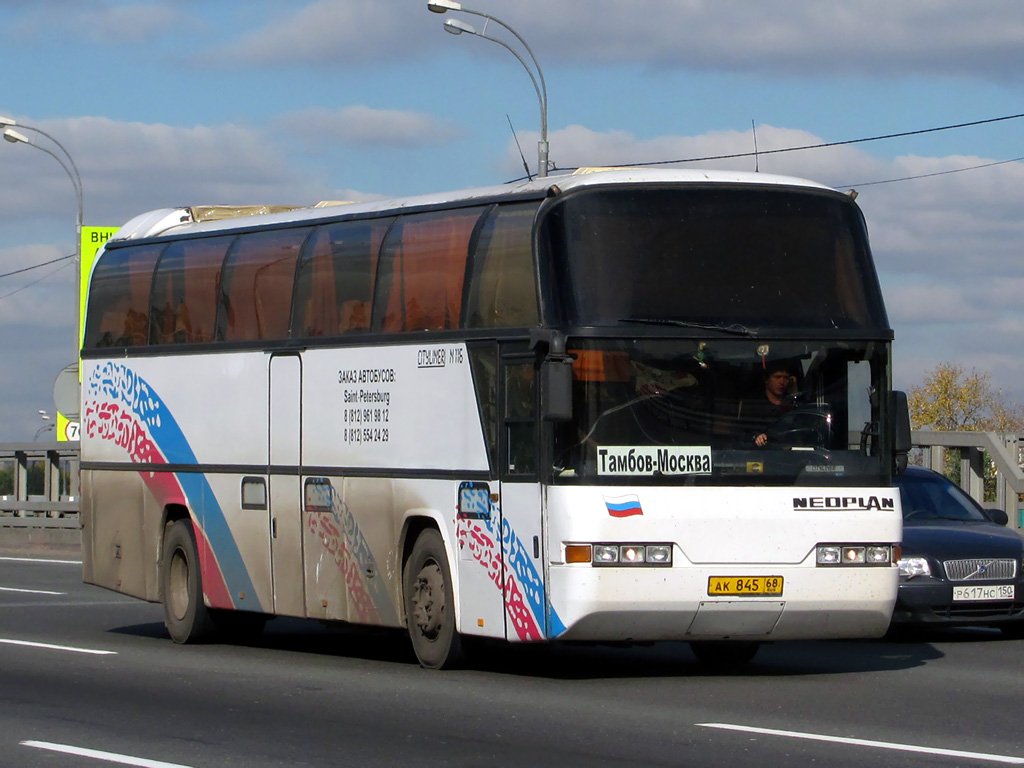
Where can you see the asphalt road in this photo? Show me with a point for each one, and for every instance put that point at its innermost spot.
(89, 678)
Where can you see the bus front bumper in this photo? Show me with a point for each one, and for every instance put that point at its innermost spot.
(632, 604)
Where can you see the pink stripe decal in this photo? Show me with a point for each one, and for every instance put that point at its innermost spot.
(108, 421)
(485, 552)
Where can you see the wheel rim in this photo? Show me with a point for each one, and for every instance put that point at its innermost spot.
(177, 586)
(428, 601)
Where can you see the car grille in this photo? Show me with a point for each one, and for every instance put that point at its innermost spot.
(980, 569)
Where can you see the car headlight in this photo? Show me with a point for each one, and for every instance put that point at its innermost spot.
(913, 566)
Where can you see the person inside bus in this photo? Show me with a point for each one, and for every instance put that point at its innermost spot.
(759, 413)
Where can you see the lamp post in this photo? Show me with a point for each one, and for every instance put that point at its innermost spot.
(46, 427)
(12, 135)
(456, 27)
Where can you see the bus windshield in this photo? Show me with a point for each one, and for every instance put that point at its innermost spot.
(725, 257)
(728, 412)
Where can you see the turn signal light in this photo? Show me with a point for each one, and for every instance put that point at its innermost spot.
(577, 553)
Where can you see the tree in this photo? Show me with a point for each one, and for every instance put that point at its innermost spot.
(952, 399)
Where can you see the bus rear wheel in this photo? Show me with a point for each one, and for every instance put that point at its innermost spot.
(185, 615)
(430, 604)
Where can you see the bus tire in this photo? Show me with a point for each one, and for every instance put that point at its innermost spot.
(185, 615)
(724, 653)
(430, 604)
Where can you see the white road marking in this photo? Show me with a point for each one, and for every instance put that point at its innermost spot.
(868, 743)
(31, 591)
(50, 647)
(110, 757)
(39, 560)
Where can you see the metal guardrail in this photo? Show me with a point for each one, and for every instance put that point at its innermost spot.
(57, 505)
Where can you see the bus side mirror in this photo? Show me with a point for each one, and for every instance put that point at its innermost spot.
(556, 389)
(902, 441)
(555, 374)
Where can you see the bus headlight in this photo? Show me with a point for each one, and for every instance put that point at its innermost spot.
(605, 554)
(854, 554)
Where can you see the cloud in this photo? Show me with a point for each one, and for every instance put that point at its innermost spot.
(103, 22)
(354, 32)
(362, 125)
(129, 167)
(791, 37)
(578, 146)
(37, 314)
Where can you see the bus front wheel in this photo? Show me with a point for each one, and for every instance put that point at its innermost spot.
(185, 615)
(430, 604)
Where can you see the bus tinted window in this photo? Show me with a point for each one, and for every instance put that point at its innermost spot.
(423, 266)
(334, 287)
(757, 257)
(185, 290)
(256, 289)
(118, 314)
(503, 285)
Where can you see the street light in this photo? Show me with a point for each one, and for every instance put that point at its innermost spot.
(46, 427)
(71, 169)
(457, 27)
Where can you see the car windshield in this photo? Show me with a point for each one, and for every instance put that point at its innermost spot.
(928, 496)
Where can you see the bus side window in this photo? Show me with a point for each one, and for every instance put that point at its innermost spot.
(118, 310)
(334, 286)
(256, 287)
(502, 283)
(183, 308)
(422, 270)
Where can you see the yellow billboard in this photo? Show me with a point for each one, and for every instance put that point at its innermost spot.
(92, 239)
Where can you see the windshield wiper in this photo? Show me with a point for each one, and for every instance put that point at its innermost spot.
(737, 329)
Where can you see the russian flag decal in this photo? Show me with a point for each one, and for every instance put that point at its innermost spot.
(623, 506)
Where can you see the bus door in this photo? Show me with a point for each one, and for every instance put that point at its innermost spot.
(284, 477)
(521, 498)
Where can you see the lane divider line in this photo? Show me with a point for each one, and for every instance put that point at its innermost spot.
(51, 647)
(868, 743)
(110, 757)
(31, 591)
(39, 560)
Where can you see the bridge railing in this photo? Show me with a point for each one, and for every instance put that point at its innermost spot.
(1004, 450)
(55, 505)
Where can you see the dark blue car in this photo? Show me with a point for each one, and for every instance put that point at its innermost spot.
(960, 566)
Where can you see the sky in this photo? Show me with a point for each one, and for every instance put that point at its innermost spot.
(183, 102)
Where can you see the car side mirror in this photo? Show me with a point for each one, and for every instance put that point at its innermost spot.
(997, 515)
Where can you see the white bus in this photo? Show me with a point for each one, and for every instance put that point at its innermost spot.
(534, 412)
